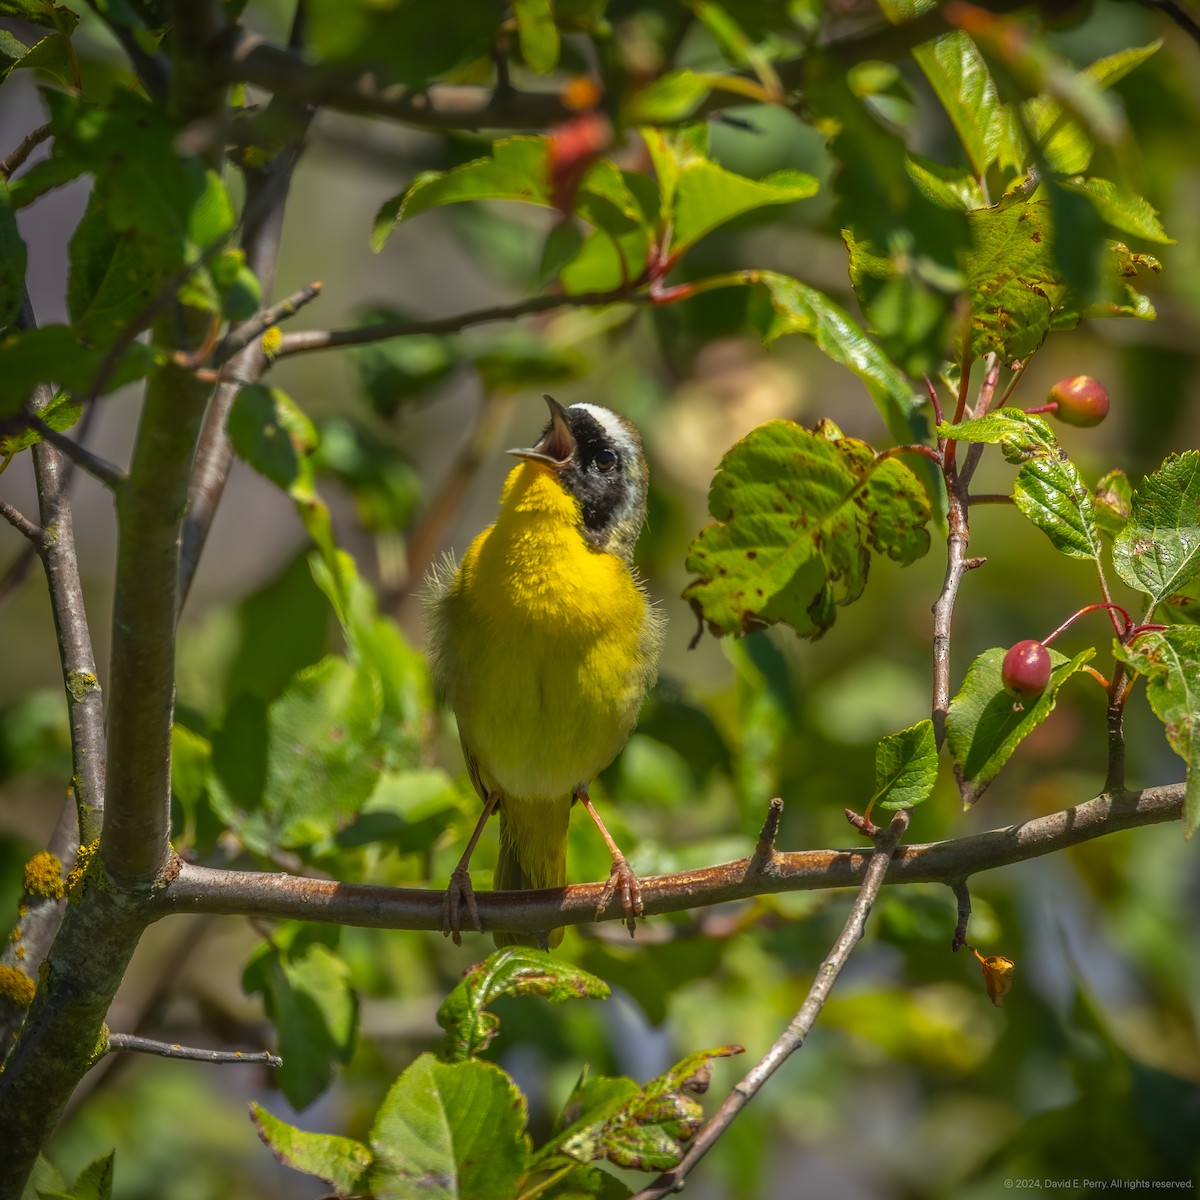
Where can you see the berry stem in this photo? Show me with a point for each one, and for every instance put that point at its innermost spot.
(1051, 407)
(1123, 631)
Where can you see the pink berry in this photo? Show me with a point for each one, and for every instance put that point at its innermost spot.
(1081, 401)
(1026, 669)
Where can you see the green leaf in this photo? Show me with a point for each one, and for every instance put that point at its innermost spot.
(797, 308)
(1121, 209)
(906, 766)
(307, 994)
(450, 1130)
(960, 78)
(669, 99)
(1020, 435)
(796, 514)
(706, 196)
(1112, 502)
(45, 1178)
(518, 361)
(1170, 660)
(985, 724)
(50, 354)
(339, 1161)
(515, 971)
(60, 414)
(109, 284)
(387, 490)
(537, 34)
(1158, 551)
(94, 1182)
(12, 262)
(41, 12)
(401, 369)
(951, 187)
(53, 54)
(1051, 493)
(643, 1129)
(271, 433)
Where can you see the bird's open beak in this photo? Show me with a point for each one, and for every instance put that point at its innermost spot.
(557, 447)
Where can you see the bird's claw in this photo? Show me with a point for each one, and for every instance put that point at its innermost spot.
(622, 876)
(458, 892)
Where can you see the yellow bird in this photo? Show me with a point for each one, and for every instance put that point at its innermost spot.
(544, 643)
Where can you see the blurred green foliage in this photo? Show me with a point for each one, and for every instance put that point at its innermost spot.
(308, 739)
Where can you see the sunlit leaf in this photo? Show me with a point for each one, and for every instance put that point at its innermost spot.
(515, 971)
(1112, 500)
(1158, 551)
(274, 436)
(961, 81)
(985, 724)
(1121, 209)
(796, 515)
(340, 1162)
(450, 1130)
(1170, 660)
(60, 414)
(537, 34)
(906, 766)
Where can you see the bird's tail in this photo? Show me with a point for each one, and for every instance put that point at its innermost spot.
(533, 854)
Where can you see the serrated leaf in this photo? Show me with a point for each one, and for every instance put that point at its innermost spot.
(797, 514)
(1121, 209)
(308, 997)
(514, 971)
(272, 434)
(1170, 660)
(960, 78)
(985, 724)
(1020, 435)
(906, 767)
(1112, 501)
(706, 196)
(1158, 551)
(797, 308)
(450, 1130)
(12, 262)
(1051, 493)
(537, 34)
(340, 1162)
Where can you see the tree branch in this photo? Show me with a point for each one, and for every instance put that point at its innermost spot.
(253, 893)
(794, 1035)
(145, 1045)
(236, 340)
(23, 149)
(305, 341)
(21, 523)
(99, 468)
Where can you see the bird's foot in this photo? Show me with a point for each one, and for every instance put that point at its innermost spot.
(458, 893)
(622, 880)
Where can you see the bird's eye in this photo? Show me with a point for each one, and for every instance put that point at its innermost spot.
(606, 459)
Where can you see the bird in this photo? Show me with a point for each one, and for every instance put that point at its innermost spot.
(544, 642)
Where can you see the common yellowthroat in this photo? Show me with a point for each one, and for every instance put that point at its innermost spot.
(544, 643)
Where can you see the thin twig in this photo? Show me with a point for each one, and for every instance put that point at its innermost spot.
(21, 523)
(943, 610)
(305, 341)
(24, 148)
(99, 468)
(793, 1037)
(236, 340)
(962, 895)
(990, 498)
(145, 1045)
(257, 893)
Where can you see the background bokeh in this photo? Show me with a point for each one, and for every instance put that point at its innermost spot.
(912, 1084)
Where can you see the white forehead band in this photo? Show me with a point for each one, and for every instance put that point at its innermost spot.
(612, 426)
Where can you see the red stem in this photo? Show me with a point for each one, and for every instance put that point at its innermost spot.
(1113, 608)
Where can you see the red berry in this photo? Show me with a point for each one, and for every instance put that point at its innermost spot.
(1026, 669)
(1081, 400)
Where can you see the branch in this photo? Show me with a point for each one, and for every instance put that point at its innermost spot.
(145, 1045)
(23, 149)
(236, 340)
(21, 523)
(266, 198)
(254, 893)
(458, 107)
(794, 1035)
(99, 468)
(305, 341)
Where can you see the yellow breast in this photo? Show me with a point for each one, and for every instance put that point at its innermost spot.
(554, 645)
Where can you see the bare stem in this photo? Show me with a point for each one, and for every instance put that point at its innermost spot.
(238, 339)
(23, 149)
(305, 341)
(943, 609)
(255, 893)
(793, 1037)
(21, 523)
(145, 1045)
(99, 468)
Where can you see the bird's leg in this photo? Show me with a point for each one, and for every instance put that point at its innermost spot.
(459, 889)
(621, 875)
